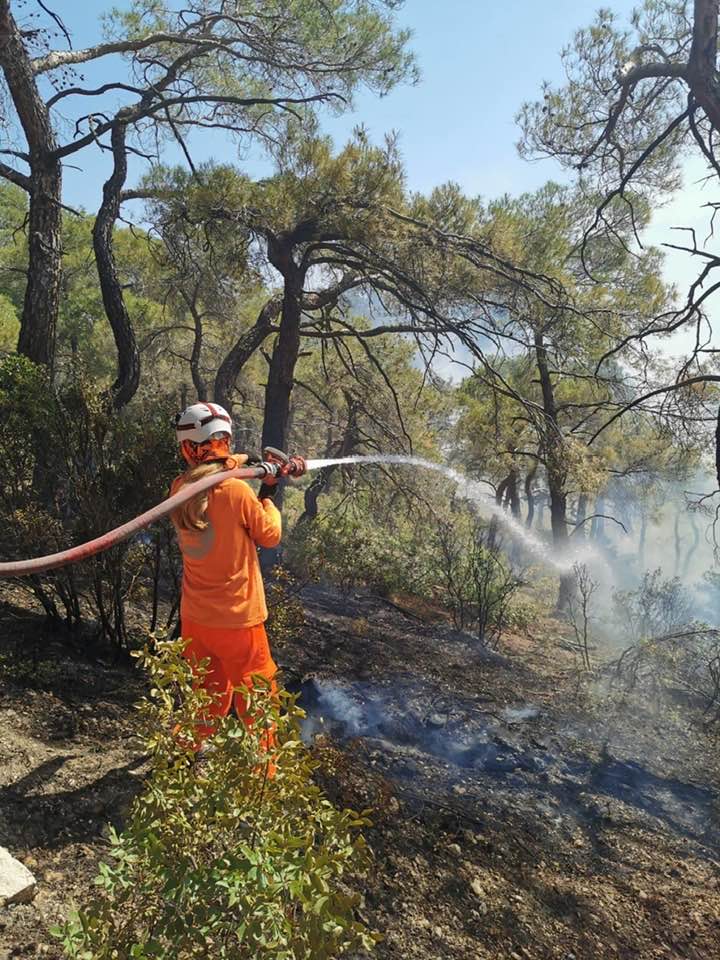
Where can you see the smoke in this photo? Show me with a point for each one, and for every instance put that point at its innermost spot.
(331, 707)
(672, 535)
(528, 542)
(401, 724)
(405, 717)
(519, 714)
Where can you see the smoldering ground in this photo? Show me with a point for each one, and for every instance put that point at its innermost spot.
(492, 730)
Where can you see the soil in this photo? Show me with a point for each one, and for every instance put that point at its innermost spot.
(520, 812)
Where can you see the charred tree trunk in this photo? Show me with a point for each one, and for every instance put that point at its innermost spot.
(501, 491)
(530, 496)
(195, 372)
(128, 377)
(581, 515)
(556, 469)
(512, 496)
(42, 292)
(322, 479)
(244, 348)
(701, 69)
(281, 374)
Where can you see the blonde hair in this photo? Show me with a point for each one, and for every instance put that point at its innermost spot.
(192, 515)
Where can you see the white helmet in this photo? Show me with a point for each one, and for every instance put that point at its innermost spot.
(200, 421)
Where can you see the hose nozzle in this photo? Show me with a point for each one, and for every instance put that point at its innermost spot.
(289, 466)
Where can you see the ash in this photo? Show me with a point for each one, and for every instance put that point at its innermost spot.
(444, 720)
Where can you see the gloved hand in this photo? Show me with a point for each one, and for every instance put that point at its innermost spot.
(284, 466)
(272, 473)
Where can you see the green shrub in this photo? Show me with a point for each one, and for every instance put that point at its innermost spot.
(217, 858)
(446, 556)
(350, 551)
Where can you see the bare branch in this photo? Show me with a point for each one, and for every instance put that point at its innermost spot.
(14, 176)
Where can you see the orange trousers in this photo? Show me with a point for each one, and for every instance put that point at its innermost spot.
(234, 656)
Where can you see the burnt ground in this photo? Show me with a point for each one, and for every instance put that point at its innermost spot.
(518, 814)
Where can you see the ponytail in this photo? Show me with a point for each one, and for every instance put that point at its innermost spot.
(192, 515)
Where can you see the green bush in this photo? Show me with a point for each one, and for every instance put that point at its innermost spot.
(218, 858)
(349, 551)
(447, 557)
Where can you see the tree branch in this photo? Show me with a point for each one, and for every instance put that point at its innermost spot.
(14, 176)
(705, 378)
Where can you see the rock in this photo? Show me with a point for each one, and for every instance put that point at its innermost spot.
(17, 884)
(459, 789)
(477, 888)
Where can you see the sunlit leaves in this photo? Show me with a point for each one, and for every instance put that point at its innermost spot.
(217, 856)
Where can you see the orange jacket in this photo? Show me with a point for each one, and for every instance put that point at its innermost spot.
(222, 584)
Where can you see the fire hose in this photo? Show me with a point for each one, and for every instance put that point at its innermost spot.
(24, 568)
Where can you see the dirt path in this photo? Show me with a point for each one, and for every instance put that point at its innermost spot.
(515, 818)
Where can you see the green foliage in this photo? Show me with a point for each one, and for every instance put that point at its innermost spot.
(475, 581)
(570, 121)
(218, 858)
(352, 551)
(9, 324)
(446, 557)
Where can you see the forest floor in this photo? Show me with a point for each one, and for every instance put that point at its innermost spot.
(519, 813)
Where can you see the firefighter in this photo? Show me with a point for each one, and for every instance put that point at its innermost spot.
(222, 608)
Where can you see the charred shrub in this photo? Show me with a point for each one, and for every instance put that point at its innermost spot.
(75, 468)
(671, 655)
(657, 607)
(286, 614)
(219, 858)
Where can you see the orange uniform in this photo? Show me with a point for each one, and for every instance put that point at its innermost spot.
(223, 609)
(222, 584)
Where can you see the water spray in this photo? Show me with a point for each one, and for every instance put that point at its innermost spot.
(474, 492)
